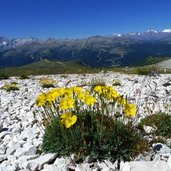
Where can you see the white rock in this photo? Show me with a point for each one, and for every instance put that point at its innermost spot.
(148, 129)
(8, 168)
(109, 164)
(61, 163)
(60, 84)
(2, 150)
(101, 165)
(82, 167)
(22, 161)
(11, 150)
(39, 162)
(29, 150)
(162, 149)
(37, 142)
(17, 128)
(157, 158)
(1, 124)
(7, 138)
(54, 168)
(12, 159)
(3, 134)
(31, 165)
(106, 169)
(126, 167)
(149, 166)
(3, 157)
(169, 161)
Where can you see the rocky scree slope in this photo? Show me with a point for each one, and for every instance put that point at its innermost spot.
(21, 138)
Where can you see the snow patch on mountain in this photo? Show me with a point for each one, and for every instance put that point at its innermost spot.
(116, 35)
(152, 31)
(166, 31)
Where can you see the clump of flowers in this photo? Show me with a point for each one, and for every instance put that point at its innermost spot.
(95, 122)
(47, 83)
(10, 87)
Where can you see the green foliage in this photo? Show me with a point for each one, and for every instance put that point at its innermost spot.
(142, 71)
(151, 70)
(10, 87)
(95, 135)
(47, 83)
(161, 123)
(23, 77)
(47, 68)
(3, 76)
(14, 83)
(48, 86)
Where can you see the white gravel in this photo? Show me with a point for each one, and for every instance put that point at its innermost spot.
(20, 138)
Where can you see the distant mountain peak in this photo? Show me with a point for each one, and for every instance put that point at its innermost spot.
(116, 35)
(148, 32)
(152, 31)
(99, 51)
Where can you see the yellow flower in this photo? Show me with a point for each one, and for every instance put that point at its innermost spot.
(77, 89)
(87, 92)
(67, 103)
(109, 93)
(130, 110)
(61, 91)
(121, 101)
(68, 120)
(50, 98)
(114, 93)
(55, 93)
(68, 91)
(89, 100)
(80, 96)
(41, 99)
(98, 89)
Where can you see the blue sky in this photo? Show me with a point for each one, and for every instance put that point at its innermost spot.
(81, 18)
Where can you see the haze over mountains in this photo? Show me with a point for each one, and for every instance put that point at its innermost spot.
(96, 51)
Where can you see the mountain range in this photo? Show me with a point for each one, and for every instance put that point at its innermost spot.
(97, 51)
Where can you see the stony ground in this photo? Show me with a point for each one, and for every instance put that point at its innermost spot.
(20, 138)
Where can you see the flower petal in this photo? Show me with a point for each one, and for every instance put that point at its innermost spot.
(67, 123)
(73, 119)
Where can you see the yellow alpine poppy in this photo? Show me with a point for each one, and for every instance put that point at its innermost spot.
(98, 89)
(67, 103)
(68, 120)
(130, 110)
(121, 101)
(89, 100)
(41, 100)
